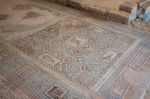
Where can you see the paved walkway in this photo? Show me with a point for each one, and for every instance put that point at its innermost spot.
(50, 51)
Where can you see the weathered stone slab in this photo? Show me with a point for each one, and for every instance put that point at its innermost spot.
(128, 7)
(120, 16)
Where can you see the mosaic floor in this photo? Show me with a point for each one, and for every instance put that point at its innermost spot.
(46, 53)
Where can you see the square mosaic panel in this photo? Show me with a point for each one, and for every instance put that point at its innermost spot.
(56, 92)
(77, 50)
(25, 71)
(109, 55)
(47, 58)
(75, 42)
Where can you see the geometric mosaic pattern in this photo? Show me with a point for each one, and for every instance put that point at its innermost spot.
(3, 56)
(25, 71)
(137, 62)
(49, 59)
(36, 83)
(75, 49)
(56, 91)
(10, 91)
(46, 54)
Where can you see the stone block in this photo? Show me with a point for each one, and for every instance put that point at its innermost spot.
(147, 10)
(146, 7)
(129, 8)
(120, 16)
(147, 17)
